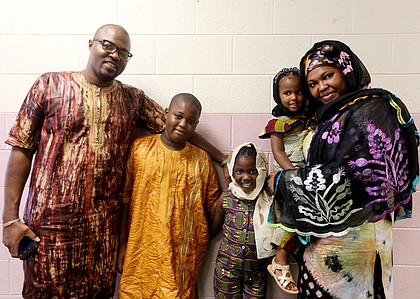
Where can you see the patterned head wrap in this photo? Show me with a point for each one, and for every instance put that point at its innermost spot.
(339, 55)
(279, 109)
(260, 164)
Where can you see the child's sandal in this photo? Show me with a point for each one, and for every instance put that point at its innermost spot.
(284, 279)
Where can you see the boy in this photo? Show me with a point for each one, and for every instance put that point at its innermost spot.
(170, 190)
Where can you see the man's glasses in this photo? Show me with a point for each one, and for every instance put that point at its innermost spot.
(111, 49)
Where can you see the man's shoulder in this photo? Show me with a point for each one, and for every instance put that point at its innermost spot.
(64, 74)
(54, 78)
(130, 89)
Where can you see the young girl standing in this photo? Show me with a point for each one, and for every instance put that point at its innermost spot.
(239, 273)
(287, 132)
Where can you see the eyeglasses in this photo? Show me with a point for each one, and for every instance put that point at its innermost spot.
(111, 49)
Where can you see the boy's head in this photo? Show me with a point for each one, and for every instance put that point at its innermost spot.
(182, 118)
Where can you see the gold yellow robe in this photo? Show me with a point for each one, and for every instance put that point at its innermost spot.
(171, 193)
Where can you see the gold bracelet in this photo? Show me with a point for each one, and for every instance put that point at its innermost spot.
(9, 223)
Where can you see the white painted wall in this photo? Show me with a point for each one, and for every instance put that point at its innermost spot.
(224, 51)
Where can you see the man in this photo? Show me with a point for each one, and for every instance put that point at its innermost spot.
(78, 126)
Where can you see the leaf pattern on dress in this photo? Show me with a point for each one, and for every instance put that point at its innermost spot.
(322, 204)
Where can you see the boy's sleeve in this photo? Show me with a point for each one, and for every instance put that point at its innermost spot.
(213, 189)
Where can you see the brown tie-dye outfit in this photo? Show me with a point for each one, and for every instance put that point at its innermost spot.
(81, 134)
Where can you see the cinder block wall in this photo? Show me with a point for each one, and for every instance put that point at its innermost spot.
(223, 51)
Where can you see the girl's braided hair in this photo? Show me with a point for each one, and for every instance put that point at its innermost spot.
(247, 150)
(279, 110)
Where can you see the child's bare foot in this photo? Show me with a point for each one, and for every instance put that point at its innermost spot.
(283, 277)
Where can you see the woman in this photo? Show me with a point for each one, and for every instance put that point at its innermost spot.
(362, 167)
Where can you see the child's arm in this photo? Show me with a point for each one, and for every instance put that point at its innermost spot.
(218, 217)
(277, 146)
(123, 237)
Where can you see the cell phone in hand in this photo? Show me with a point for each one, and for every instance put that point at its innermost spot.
(27, 247)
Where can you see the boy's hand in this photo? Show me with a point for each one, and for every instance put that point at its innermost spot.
(121, 258)
(226, 174)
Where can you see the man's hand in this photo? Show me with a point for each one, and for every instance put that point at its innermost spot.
(14, 233)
